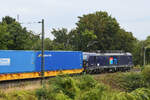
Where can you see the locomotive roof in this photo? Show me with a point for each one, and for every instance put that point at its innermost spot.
(106, 54)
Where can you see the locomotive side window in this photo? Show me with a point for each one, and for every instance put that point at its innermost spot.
(92, 60)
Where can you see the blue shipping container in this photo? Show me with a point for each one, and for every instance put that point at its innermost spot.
(59, 60)
(14, 61)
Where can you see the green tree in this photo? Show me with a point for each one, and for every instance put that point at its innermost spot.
(138, 53)
(87, 40)
(3, 36)
(109, 35)
(60, 35)
(48, 44)
(18, 38)
(61, 39)
(146, 46)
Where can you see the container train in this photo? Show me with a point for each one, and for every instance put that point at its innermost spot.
(19, 64)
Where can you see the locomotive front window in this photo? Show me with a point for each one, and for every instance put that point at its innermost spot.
(85, 57)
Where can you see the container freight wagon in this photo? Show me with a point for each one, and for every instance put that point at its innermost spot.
(60, 62)
(19, 64)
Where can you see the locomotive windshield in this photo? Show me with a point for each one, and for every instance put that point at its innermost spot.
(85, 57)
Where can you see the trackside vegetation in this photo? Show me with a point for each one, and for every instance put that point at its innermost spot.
(116, 86)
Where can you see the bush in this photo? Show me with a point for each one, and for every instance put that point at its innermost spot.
(72, 88)
(141, 94)
(93, 94)
(59, 88)
(86, 82)
(131, 81)
(138, 94)
(42, 94)
(146, 75)
(123, 96)
(66, 85)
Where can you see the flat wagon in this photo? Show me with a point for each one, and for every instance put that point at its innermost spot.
(19, 64)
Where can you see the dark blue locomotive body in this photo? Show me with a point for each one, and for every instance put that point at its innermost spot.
(98, 62)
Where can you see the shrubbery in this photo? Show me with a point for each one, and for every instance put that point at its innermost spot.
(128, 81)
(138, 94)
(132, 85)
(85, 87)
(131, 81)
(73, 88)
(146, 75)
(134, 80)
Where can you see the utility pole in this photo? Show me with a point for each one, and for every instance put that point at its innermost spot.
(144, 56)
(18, 17)
(42, 49)
(42, 58)
(145, 48)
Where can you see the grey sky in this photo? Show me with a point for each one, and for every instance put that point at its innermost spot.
(133, 15)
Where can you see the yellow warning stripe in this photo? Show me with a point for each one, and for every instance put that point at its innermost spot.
(15, 76)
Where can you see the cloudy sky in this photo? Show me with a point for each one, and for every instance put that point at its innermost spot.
(133, 15)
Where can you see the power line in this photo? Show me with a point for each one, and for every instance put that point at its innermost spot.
(36, 22)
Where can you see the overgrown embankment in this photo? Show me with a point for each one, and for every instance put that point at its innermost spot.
(116, 86)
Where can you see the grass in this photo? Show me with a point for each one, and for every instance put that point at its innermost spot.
(18, 95)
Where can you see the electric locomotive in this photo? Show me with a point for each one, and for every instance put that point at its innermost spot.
(108, 61)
